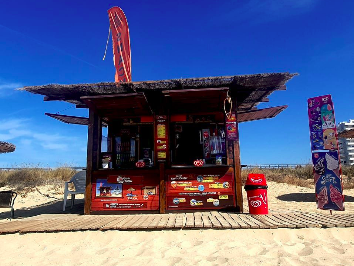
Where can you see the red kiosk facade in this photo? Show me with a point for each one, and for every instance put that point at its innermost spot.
(171, 145)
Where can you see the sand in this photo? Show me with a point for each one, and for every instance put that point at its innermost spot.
(315, 246)
(333, 246)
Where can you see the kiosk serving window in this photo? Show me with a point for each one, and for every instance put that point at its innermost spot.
(129, 146)
(198, 141)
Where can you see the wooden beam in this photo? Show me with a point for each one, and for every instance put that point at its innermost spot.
(48, 98)
(107, 96)
(193, 90)
(93, 153)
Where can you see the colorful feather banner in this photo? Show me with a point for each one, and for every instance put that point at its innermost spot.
(325, 154)
(121, 44)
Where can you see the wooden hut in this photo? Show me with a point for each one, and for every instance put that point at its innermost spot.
(172, 145)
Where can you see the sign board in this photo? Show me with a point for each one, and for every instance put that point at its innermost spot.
(196, 191)
(325, 154)
(161, 138)
(126, 192)
(231, 127)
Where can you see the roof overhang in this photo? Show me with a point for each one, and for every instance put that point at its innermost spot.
(260, 114)
(241, 117)
(75, 120)
(192, 95)
(249, 90)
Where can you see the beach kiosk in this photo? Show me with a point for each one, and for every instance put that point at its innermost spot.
(172, 145)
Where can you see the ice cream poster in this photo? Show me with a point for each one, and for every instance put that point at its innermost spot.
(231, 127)
(328, 184)
(324, 148)
(108, 190)
(323, 132)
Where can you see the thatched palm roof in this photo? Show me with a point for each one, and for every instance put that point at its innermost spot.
(248, 89)
(6, 147)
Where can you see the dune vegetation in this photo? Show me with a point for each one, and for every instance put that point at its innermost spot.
(28, 178)
(300, 176)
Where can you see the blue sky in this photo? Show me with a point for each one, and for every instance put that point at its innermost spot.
(43, 42)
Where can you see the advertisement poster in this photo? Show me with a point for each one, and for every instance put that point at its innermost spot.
(193, 191)
(161, 131)
(161, 145)
(328, 184)
(323, 132)
(104, 189)
(325, 158)
(119, 192)
(231, 127)
(206, 143)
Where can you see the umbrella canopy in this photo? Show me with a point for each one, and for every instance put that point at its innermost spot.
(6, 147)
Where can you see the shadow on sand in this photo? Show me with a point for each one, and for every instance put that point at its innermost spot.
(55, 207)
(306, 197)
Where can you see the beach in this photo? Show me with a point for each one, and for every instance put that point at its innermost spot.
(308, 246)
(332, 246)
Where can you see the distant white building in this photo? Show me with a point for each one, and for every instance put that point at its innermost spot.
(346, 146)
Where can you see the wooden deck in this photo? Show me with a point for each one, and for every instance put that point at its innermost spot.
(197, 220)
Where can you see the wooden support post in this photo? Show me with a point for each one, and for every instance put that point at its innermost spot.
(237, 167)
(93, 155)
(233, 155)
(162, 190)
(160, 161)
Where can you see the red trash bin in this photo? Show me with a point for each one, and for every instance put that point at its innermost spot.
(256, 188)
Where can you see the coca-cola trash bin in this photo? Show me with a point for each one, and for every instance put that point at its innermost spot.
(256, 188)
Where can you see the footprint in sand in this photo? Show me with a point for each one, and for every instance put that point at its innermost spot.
(306, 251)
(173, 261)
(222, 260)
(263, 252)
(334, 250)
(210, 259)
(102, 251)
(198, 243)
